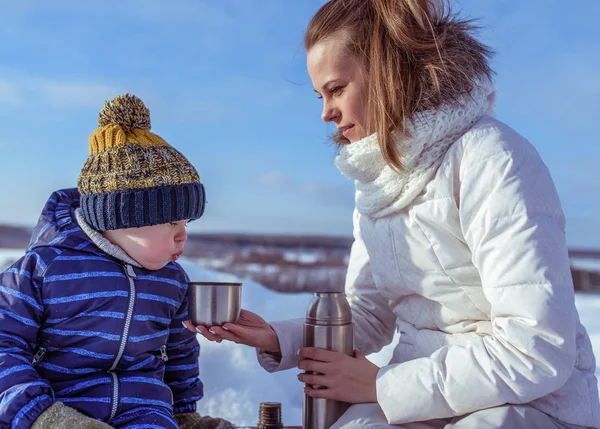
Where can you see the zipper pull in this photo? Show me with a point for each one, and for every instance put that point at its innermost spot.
(163, 353)
(38, 356)
(130, 272)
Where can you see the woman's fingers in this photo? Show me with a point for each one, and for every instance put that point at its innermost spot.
(188, 325)
(314, 366)
(345, 378)
(239, 330)
(251, 320)
(359, 355)
(202, 330)
(235, 333)
(246, 315)
(250, 330)
(226, 334)
(205, 332)
(315, 379)
(320, 393)
(321, 355)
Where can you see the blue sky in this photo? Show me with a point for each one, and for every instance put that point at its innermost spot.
(226, 84)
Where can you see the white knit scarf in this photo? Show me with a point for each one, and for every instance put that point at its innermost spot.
(380, 190)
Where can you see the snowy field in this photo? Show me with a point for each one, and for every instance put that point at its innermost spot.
(235, 384)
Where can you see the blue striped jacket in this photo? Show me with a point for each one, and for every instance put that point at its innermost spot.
(81, 327)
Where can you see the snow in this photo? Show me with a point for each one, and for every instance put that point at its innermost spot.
(587, 264)
(235, 384)
(301, 257)
(8, 257)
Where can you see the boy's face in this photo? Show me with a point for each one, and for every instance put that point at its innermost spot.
(152, 247)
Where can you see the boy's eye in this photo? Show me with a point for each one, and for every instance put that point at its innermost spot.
(173, 223)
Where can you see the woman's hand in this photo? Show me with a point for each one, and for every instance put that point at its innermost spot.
(344, 378)
(250, 329)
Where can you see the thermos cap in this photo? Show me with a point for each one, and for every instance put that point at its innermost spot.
(269, 415)
(329, 308)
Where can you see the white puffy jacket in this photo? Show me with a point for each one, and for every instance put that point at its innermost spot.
(475, 275)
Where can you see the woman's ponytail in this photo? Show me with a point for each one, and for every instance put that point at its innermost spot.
(417, 54)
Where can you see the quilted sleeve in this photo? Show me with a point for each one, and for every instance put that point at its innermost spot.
(512, 221)
(23, 394)
(182, 370)
(374, 322)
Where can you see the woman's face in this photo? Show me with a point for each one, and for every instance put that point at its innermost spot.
(341, 81)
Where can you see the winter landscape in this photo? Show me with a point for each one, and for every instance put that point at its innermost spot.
(227, 84)
(234, 383)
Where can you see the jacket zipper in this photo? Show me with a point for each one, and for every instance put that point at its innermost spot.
(163, 353)
(38, 356)
(165, 358)
(131, 277)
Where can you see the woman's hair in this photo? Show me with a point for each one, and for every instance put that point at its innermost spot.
(418, 56)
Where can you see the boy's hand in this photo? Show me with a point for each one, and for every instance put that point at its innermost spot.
(195, 421)
(250, 329)
(59, 416)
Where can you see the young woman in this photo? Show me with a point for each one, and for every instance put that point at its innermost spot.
(459, 238)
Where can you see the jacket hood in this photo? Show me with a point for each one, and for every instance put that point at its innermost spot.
(57, 226)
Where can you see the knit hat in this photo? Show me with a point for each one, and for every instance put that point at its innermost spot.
(132, 177)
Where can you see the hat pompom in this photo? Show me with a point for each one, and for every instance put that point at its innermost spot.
(127, 111)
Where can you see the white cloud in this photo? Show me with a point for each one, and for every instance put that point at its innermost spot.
(332, 194)
(273, 180)
(74, 94)
(9, 93)
(569, 93)
(542, 73)
(233, 404)
(22, 90)
(150, 11)
(316, 191)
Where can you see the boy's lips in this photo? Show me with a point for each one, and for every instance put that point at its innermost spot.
(177, 255)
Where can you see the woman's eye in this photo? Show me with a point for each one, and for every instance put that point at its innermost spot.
(336, 90)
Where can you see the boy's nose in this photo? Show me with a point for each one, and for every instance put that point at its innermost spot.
(181, 236)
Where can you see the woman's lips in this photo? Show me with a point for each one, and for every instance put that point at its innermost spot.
(347, 130)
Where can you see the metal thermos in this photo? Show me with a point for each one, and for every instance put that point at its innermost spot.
(328, 326)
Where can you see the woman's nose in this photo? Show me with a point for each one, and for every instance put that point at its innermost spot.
(329, 113)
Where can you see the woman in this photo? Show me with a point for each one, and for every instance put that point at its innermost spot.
(459, 238)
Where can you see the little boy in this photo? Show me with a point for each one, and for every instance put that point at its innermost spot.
(91, 316)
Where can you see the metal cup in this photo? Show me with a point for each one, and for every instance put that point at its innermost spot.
(214, 303)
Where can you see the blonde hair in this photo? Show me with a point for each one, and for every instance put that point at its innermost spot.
(418, 56)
